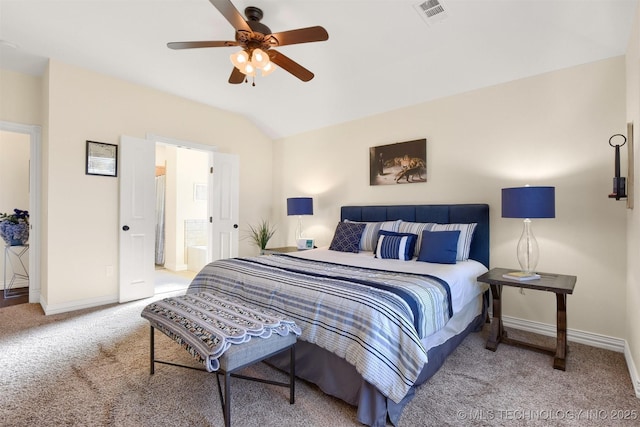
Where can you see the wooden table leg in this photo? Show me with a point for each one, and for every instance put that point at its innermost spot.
(561, 346)
(496, 325)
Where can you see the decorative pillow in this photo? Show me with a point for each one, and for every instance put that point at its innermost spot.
(415, 228)
(395, 245)
(439, 246)
(347, 237)
(370, 234)
(464, 241)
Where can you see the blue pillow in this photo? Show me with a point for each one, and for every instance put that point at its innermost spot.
(439, 246)
(395, 245)
(464, 241)
(347, 237)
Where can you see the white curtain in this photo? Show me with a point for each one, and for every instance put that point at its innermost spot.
(160, 195)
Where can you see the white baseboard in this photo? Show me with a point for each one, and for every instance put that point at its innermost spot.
(21, 284)
(176, 267)
(582, 337)
(76, 305)
(633, 371)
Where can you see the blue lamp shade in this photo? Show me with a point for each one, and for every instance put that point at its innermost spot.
(300, 206)
(529, 202)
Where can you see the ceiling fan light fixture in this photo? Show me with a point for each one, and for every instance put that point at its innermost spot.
(240, 59)
(268, 69)
(259, 58)
(248, 69)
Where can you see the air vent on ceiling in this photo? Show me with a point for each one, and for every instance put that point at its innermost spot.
(431, 11)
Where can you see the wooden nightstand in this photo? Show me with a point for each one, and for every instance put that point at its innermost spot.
(282, 250)
(559, 284)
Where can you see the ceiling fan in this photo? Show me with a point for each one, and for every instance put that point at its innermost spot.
(257, 43)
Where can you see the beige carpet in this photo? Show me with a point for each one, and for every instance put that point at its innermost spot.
(91, 368)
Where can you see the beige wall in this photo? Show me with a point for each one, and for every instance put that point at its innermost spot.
(82, 212)
(20, 98)
(14, 171)
(633, 217)
(552, 129)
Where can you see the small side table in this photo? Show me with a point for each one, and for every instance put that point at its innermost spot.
(559, 284)
(13, 260)
(282, 250)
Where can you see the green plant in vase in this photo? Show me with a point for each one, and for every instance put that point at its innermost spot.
(261, 233)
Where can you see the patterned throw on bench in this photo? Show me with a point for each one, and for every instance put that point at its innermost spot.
(206, 325)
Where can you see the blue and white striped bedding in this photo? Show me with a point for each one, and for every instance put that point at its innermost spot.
(374, 319)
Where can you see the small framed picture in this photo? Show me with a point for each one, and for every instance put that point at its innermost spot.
(102, 159)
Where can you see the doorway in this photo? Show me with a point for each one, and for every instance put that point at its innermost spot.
(137, 212)
(182, 235)
(20, 154)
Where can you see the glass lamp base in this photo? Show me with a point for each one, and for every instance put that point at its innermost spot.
(528, 249)
(299, 228)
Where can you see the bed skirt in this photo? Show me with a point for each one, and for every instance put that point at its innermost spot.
(334, 376)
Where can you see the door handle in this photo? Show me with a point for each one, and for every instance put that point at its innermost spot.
(125, 227)
(235, 225)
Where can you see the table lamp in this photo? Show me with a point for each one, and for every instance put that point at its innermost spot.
(528, 202)
(299, 206)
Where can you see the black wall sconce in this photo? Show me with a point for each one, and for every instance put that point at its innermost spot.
(619, 182)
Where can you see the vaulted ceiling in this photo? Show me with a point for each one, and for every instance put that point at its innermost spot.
(380, 55)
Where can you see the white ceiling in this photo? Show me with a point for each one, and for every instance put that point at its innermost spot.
(381, 54)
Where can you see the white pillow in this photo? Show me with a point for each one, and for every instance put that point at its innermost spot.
(416, 228)
(370, 234)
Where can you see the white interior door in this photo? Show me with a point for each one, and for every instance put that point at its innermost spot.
(137, 218)
(224, 205)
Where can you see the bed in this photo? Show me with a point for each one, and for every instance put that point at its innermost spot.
(373, 327)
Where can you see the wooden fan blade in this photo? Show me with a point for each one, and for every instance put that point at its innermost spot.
(290, 65)
(194, 45)
(231, 14)
(236, 76)
(301, 35)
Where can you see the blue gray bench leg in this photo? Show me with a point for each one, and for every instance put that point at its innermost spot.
(239, 357)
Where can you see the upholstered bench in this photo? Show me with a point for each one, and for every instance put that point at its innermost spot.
(225, 335)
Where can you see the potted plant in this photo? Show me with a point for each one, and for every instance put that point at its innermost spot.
(14, 228)
(261, 233)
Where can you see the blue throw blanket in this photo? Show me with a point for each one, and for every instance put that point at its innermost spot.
(374, 319)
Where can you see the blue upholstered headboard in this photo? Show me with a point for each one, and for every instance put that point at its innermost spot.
(441, 214)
